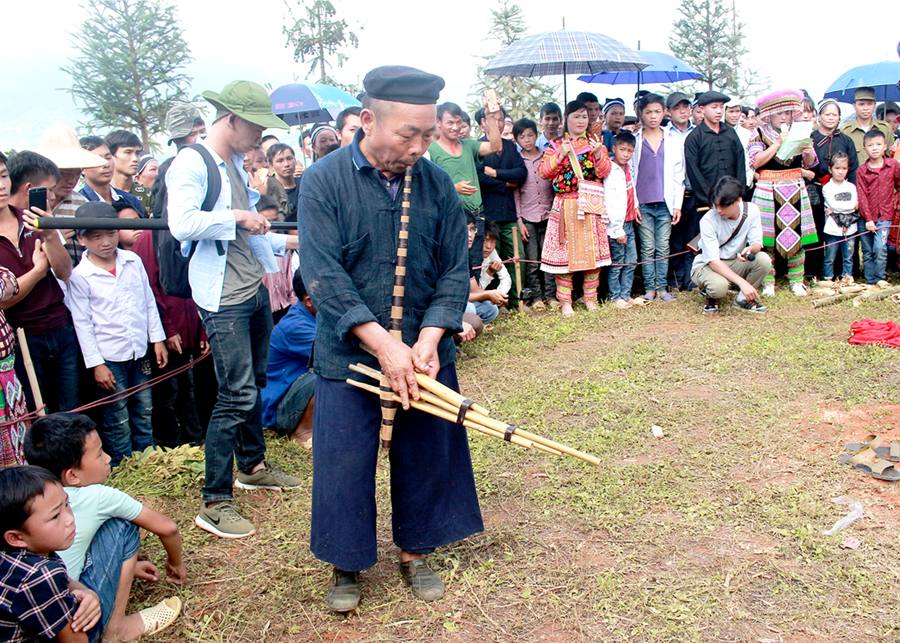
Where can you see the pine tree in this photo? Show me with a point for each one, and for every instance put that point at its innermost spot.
(709, 36)
(318, 36)
(129, 71)
(521, 97)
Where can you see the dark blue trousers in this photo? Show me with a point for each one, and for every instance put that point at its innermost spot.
(433, 497)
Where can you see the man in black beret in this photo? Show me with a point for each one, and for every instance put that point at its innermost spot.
(350, 210)
(711, 151)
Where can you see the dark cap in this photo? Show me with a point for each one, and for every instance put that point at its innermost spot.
(95, 210)
(640, 93)
(675, 98)
(864, 93)
(712, 97)
(399, 84)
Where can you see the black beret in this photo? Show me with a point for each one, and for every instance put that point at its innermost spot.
(400, 84)
(712, 97)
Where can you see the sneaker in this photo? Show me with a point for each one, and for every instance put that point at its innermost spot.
(269, 477)
(749, 306)
(799, 289)
(424, 583)
(768, 290)
(344, 593)
(224, 521)
(711, 307)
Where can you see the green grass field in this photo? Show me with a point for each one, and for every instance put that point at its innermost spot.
(710, 533)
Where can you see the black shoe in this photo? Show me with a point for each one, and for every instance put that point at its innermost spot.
(344, 593)
(749, 306)
(424, 583)
(711, 307)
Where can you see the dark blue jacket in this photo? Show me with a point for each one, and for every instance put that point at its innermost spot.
(349, 226)
(497, 199)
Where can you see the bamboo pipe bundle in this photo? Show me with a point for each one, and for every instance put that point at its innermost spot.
(447, 415)
(430, 392)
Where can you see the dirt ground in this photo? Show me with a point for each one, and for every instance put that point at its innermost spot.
(711, 533)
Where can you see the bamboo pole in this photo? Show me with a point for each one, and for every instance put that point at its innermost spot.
(827, 301)
(32, 376)
(518, 268)
(875, 296)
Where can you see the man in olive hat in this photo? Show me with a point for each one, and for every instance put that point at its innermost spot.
(864, 104)
(349, 219)
(233, 249)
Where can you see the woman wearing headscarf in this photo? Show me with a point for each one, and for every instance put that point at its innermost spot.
(787, 219)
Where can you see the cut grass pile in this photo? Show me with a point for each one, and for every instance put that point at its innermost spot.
(711, 533)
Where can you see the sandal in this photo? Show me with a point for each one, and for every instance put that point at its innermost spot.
(160, 616)
(867, 462)
(891, 452)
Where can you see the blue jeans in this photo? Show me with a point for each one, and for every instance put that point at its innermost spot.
(484, 309)
(620, 278)
(239, 340)
(127, 423)
(55, 356)
(831, 249)
(655, 231)
(874, 251)
(114, 543)
(293, 403)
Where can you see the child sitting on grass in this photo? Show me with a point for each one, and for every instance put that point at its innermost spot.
(38, 600)
(103, 554)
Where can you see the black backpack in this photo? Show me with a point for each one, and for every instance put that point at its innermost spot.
(173, 266)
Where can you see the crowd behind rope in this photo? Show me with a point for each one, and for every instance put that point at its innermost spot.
(697, 192)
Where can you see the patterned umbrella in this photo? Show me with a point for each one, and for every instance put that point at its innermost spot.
(664, 68)
(882, 77)
(301, 103)
(564, 52)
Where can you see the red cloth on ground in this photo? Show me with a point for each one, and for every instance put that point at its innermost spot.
(869, 331)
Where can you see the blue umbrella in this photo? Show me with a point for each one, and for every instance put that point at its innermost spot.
(664, 68)
(564, 52)
(882, 77)
(301, 103)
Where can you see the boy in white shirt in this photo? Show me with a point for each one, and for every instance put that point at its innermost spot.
(115, 316)
(842, 210)
(623, 209)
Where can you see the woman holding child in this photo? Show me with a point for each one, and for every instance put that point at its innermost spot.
(576, 241)
(787, 218)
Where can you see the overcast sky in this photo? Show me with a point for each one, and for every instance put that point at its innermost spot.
(447, 37)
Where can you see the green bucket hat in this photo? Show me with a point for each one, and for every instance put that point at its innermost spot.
(247, 100)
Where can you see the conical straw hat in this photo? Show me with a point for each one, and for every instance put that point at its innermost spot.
(60, 145)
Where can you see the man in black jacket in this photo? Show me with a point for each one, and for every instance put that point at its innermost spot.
(498, 177)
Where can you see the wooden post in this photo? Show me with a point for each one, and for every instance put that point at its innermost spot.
(515, 237)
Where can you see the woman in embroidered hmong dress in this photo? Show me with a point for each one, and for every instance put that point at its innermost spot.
(787, 218)
(575, 241)
(12, 398)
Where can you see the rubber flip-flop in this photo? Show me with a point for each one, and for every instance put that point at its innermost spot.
(891, 452)
(160, 616)
(867, 462)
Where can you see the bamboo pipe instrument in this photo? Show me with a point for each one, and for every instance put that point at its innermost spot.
(388, 404)
(447, 415)
(470, 414)
(518, 268)
(71, 223)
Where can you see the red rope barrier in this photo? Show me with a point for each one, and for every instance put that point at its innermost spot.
(115, 397)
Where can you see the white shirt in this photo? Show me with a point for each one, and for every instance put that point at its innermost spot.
(842, 199)
(114, 315)
(615, 198)
(485, 279)
(715, 230)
